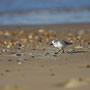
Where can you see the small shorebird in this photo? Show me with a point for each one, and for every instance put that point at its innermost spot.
(61, 44)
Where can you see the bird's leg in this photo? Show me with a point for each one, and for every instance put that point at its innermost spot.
(62, 50)
(57, 51)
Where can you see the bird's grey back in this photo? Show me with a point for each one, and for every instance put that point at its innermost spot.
(62, 42)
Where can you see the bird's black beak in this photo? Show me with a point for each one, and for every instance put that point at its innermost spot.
(51, 44)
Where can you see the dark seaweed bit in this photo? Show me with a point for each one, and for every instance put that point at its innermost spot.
(7, 70)
(52, 74)
(9, 59)
(32, 56)
(34, 49)
(44, 49)
(18, 54)
(74, 51)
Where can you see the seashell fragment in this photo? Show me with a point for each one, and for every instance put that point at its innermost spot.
(41, 30)
(7, 33)
(81, 32)
(30, 53)
(19, 62)
(79, 47)
(76, 82)
(87, 66)
(30, 37)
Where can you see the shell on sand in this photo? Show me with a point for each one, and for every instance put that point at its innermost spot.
(75, 82)
(79, 47)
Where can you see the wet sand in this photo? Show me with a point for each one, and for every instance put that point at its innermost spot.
(28, 62)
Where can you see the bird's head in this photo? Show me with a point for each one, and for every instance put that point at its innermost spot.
(52, 43)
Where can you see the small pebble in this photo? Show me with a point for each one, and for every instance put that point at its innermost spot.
(79, 47)
(19, 62)
(5, 50)
(81, 32)
(9, 59)
(30, 53)
(75, 83)
(87, 66)
(7, 70)
(41, 31)
(52, 74)
(32, 56)
(44, 49)
(18, 54)
(34, 49)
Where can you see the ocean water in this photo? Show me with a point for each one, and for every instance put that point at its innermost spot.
(37, 12)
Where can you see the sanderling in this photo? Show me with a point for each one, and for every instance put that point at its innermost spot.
(61, 44)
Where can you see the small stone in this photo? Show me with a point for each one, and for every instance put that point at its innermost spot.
(19, 62)
(52, 74)
(4, 43)
(44, 49)
(9, 59)
(7, 70)
(5, 50)
(34, 49)
(88, 43)
(30, 53)
(28, 45)
(87, 66)
(79, 47)
(7, 33)
(21, 32)
(36, 37)
(70, 34)
(46, 53)
(68, 38)
(30, 36)
(25, 40)
(76, 82)
(41, 31)
(8, 46)
(31, 41)
(22, 46)
(32, 56)
(81, 32)
(18, 54)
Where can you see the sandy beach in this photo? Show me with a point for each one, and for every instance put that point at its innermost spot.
(28, 62)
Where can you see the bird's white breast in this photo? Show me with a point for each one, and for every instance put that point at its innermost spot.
(58, 44)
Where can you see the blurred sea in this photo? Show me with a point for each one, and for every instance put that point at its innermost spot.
(37, 12)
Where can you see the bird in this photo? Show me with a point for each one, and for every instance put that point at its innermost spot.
(61, 44)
